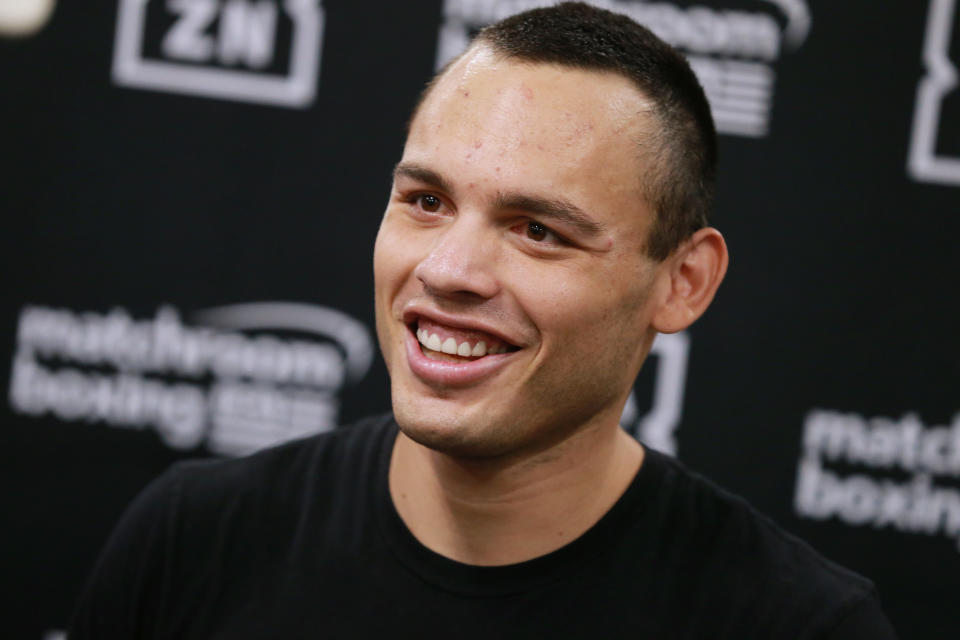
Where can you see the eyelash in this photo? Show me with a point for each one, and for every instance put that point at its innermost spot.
(416, 199)
(557, 239)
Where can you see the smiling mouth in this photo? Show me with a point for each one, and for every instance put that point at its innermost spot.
(450, 344)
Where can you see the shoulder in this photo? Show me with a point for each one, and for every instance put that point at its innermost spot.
(195, 498)
(205, 525)
(280, 473)
(249, 511)
(748, 561)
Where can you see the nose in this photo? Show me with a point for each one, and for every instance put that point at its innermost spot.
(461, 261)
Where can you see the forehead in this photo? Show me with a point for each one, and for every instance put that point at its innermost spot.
(528, 126)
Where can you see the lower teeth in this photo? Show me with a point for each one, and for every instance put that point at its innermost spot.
(446, 357)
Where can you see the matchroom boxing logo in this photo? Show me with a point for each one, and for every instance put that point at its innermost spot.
(236, 379)
(880, 472)
(936, 116)
(262, 51)
(733, 52)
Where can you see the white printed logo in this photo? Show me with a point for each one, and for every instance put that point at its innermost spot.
(261, 51)
(731, 51)
(880, 472)
(243, 377)
(22, 18)
(923, 162)
(657, 427)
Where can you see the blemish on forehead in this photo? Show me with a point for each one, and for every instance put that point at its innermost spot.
(478, 144)
(526, 92)
(466, 93)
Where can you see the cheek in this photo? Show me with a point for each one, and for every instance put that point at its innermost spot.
(583, 311)
(390, 271)
(391, 260)
(562, 304)
(394, 257)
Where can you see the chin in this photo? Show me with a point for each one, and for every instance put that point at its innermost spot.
(459, 434)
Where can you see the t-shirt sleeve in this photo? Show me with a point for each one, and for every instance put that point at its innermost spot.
(865, 621)
(125, 590)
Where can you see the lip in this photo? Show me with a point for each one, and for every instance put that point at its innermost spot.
(451, 374)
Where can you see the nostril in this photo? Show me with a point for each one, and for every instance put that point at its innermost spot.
(476, 282)
(462, 261)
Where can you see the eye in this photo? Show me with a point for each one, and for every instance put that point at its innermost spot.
(540, 235)
(536, 231)
(429, 203)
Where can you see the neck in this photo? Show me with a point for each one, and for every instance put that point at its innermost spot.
(504, 511)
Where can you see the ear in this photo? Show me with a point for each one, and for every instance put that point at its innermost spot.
(693, 273)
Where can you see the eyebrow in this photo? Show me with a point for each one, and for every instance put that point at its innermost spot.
(421, 174)
(557, 209)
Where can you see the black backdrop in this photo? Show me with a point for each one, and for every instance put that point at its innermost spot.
(190, 196)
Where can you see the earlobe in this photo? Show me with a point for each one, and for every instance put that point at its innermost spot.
(694, 272)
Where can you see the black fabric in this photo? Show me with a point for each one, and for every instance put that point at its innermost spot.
(303, 541)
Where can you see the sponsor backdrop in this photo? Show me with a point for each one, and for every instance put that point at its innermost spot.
(190, 197)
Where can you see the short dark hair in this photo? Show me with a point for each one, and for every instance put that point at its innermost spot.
(683, 154)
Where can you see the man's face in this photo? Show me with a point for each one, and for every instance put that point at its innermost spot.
(515, 228)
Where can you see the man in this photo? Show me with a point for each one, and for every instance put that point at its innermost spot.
(547, 220)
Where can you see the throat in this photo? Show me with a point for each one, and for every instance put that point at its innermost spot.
(492, 514)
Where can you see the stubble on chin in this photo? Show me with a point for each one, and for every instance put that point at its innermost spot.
(482, 439)
(455, 435)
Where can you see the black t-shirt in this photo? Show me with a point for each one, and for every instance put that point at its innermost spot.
(303, 541)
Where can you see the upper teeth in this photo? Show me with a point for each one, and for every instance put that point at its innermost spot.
(434, 343)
